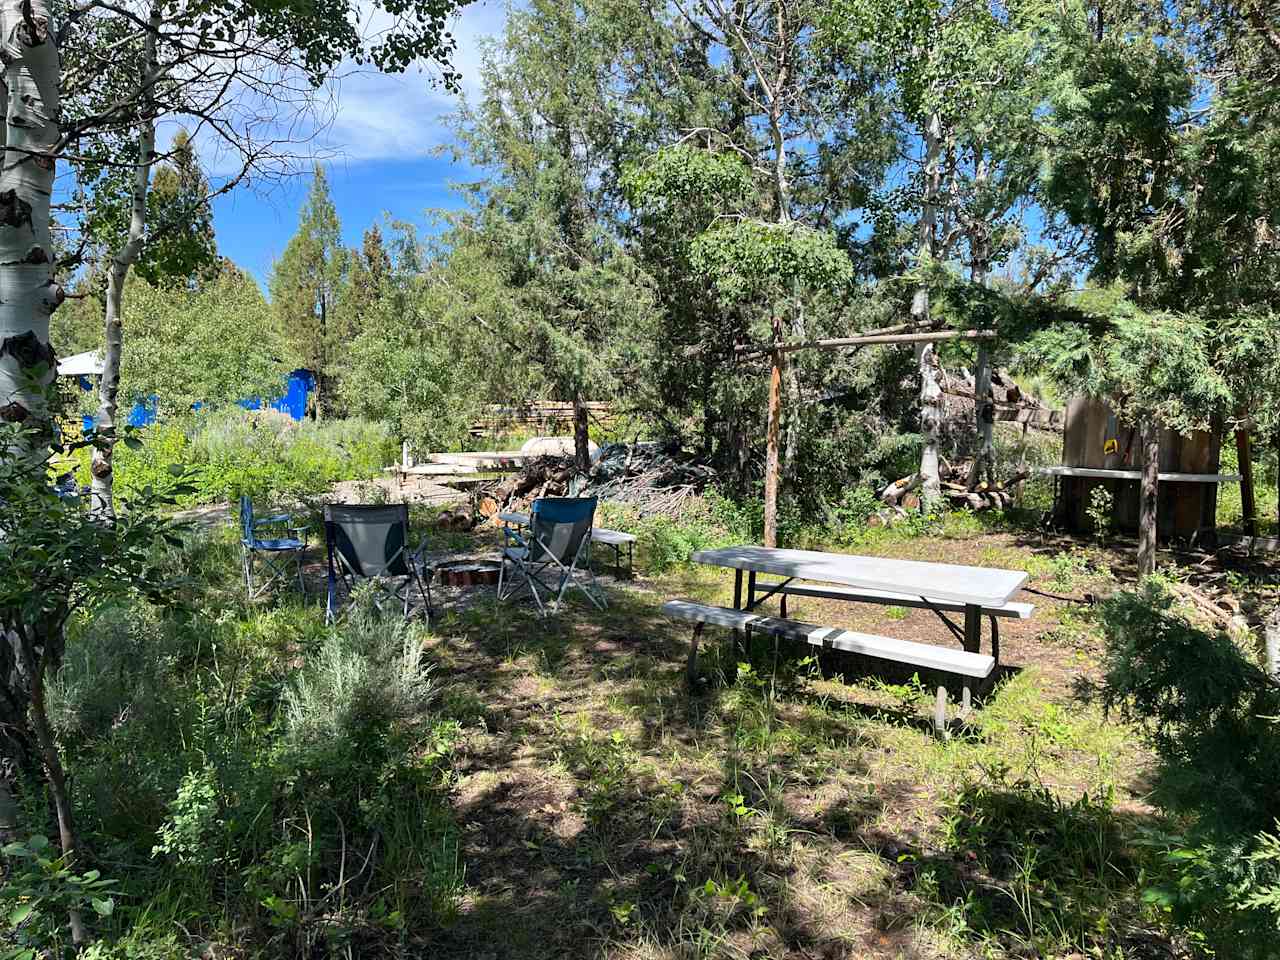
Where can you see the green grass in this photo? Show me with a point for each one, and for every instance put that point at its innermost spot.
(559, 791)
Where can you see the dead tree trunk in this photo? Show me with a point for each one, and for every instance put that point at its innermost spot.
(931, 417)
(581, 436)
(984, 409)
(773, 431)
(926, 246)
(1248, 503)
(1148, 499)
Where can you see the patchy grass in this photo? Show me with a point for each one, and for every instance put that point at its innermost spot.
(788, 806)
(803, 809)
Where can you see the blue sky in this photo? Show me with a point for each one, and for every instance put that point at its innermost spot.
(381, 152)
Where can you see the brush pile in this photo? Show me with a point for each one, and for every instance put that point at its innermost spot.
(904, 495)
(649, 476)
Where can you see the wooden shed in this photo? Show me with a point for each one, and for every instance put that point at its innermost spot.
(1100, 451)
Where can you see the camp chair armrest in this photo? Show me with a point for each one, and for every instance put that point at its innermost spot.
(274, 518)
(510, 537)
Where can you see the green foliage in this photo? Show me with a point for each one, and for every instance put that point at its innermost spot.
(1209, 711)
(369, 676)
(1100, 511)
(687, 182)
(220, 455)
(252, 760)
(750, 259)
(38, 892)
(212, 344)
(1052, 876)
(305, 284)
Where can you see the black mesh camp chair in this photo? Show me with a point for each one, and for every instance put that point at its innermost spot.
(371, 543)
(556, 546)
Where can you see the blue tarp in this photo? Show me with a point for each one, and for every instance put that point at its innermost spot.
(298, 387)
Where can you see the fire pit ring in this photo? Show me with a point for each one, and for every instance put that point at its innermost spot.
(467, 573)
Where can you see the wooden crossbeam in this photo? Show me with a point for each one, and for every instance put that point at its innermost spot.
(752, 353)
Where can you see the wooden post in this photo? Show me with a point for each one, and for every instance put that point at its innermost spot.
(772, 437)
(1248, 503)
(1148, 499)
(984, 412)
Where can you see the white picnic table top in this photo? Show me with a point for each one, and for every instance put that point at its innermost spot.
(598, 534)
(981, 586)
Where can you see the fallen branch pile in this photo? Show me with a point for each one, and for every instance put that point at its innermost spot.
(904, 495)
(1009, 403)
(647, 476)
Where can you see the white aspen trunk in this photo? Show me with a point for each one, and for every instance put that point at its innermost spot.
(926, 354)
(1272, 644)
(984, 457)
(28, 291)
(28, 296)
(101, 499)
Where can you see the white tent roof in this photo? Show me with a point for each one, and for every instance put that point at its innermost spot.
(87, 364)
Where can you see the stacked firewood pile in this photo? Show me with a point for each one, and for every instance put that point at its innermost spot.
(904, 495)
(652, 478)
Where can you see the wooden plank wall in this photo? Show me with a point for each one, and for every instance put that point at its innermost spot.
(1185, 508)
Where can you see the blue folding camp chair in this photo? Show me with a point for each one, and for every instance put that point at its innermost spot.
(555, 546)
(272, 553)
(369, 542)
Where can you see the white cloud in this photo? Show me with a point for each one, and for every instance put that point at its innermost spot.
(400, 116)
(360, 116)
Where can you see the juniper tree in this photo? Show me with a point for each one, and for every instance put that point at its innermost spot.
(305, 284)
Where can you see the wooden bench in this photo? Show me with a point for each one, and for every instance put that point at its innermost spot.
(968, 666)
(762, 589)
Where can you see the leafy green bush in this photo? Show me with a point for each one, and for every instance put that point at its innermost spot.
(264, 454)
(1210, 712)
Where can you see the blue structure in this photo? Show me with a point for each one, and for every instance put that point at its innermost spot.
(298, 387)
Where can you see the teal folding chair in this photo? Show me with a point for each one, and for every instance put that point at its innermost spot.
(553, 554)
(273, 555)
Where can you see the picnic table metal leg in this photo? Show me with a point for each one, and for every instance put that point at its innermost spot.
(737, 605)
(691, 669)
(972, 628)
(940, 713)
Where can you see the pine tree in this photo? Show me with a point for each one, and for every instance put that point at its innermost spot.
(182, 250)
(305, 285)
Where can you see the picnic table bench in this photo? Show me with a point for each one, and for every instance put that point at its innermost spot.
(942, 588)
(614, 539)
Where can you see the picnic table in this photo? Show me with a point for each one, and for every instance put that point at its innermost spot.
(614, 539)
(940, 587)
